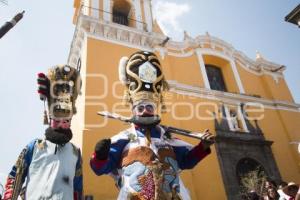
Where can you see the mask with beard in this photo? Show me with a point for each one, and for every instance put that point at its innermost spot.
(146, 121)
(58, 136)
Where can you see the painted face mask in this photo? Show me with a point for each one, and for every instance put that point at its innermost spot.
(64, 88)
(144, 109)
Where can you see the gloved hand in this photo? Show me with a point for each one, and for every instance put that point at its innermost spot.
(102, 149)
(43, 86)
(208, 139)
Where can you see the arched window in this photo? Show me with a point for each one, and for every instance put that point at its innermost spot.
(247, 165)
(215, 78)
(251, 175)
(121, 10)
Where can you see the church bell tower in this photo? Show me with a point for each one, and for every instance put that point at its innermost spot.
(212, 86)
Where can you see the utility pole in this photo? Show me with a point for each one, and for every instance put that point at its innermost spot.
(8, 25)
(294, 16)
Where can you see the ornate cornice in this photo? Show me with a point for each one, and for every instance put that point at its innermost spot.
(241, 137)
(88, 26)
(230, 98)
(116, 33)
(218, 46)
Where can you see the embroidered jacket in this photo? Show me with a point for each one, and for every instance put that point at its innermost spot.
(146, 165)
(49, 171)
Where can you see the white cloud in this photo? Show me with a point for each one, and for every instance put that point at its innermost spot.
(167, 15)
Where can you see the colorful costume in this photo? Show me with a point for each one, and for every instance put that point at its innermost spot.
(148, 171)
(144, 160)
(50, 168)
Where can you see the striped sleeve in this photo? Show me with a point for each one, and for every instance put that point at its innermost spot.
(19, 172)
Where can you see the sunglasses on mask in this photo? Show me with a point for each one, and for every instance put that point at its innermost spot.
(142, 107)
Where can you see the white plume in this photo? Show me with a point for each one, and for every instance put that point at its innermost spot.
(122, 69)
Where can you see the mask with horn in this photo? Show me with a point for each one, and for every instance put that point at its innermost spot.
(142, 75)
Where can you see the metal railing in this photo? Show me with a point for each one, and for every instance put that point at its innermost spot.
(101, 14)
(120, 19)
(116, 17)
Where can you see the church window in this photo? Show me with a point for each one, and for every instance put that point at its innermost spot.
(247, 165)
(215, 78)
(121, 10)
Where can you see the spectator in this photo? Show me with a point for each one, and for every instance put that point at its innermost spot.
(270, 183)
(271, 194)
(298, 195)
(291, 190)
(252, 195)
(282, 196)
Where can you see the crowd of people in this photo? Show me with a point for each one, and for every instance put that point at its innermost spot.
(273, 191)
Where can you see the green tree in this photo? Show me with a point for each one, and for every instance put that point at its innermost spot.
(253, 181)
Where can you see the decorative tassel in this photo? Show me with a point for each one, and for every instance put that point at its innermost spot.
(165, 85)
(148, 137)
(163, 107)
(126, 98)
(46, 121)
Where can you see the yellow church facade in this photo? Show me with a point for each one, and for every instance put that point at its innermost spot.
(246, 103)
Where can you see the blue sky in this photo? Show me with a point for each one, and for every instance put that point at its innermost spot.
(249, 25)
(43, 38)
